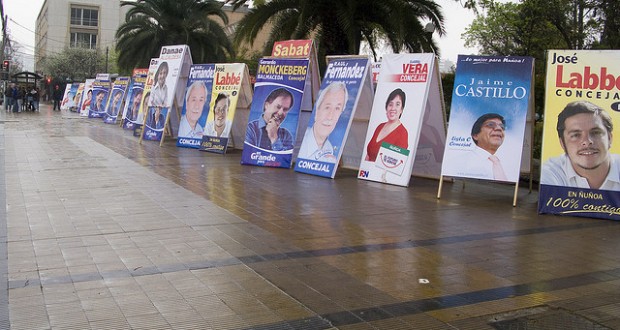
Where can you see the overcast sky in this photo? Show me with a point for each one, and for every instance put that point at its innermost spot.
(23, 14)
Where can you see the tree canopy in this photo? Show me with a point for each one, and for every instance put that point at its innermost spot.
(74, 64)
(339, 26)
(151, 24)
(530, 27)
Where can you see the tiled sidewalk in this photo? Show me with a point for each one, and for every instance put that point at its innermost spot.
(105, 233)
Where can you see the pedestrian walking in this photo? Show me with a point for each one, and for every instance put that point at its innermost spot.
(35, 98)
(8, 93)
(57, 95)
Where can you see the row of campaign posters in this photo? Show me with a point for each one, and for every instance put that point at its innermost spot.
(389, 131)
(388, 149)
(490, 130)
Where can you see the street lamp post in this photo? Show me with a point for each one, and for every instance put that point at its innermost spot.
(430, 29)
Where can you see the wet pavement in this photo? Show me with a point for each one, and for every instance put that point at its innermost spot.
(103, 232)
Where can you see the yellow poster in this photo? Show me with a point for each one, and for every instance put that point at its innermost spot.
(580, 162)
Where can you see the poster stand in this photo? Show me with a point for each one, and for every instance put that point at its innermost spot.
(138, 129)
(405, 129)
(432, 140)
(354, 140)
(242, 112)
(278, 94)
(303, 49)
(231, 84)
(167, 126)
(580, 156)
(134, 93)
(175, 61)
(324, 140)
(492, 109)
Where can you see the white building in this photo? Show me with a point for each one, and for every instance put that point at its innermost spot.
(74, 23)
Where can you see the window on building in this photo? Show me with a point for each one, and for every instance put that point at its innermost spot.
(83, 40)
(84, 16)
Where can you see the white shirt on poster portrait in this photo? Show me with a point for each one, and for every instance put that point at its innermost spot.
(480, 164)
(185, 130)
(559, 171)
(159, 96)
(210, 129)
(310, 149)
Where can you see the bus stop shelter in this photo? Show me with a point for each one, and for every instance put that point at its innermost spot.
(25, 78)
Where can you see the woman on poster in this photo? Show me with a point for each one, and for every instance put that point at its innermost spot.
(159, 93)
(86, 103)
(392, 131)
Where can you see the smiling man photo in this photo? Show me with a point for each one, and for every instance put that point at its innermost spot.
(585, 133)
(488, 134)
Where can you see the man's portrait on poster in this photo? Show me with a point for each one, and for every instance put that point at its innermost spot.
(331, 103)
(585, 133)
(265, 132)
(195, 99)
(220, 126)
(487, 133)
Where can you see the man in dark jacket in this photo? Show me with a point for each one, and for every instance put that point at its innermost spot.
(57, 97)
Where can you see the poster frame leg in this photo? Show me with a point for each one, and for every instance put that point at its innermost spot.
(514, 200)
(440, 186)
(142, 134)
(163, 134)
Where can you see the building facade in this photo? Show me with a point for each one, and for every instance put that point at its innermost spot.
(92, 24)
(68, 23)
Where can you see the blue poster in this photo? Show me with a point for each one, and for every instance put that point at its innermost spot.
(490, 103)
(155, 123)
(116, 100)
(101, 89)
(195, 105)
(133, 99)
(274, 114)
(331, 117)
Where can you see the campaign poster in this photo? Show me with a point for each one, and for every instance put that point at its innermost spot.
(274, 114)
(580, 162)
(490, 103)
(115, 103)
(78, 97)
(396, 118)
(195, 105)
(162, 90)
(154, 123)
(87, 97)
(101, 92)
(179, 59)
(222, 105)
(133, 98)
(331, 117)
(69, 98)
(166, 76)
(146, 95)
